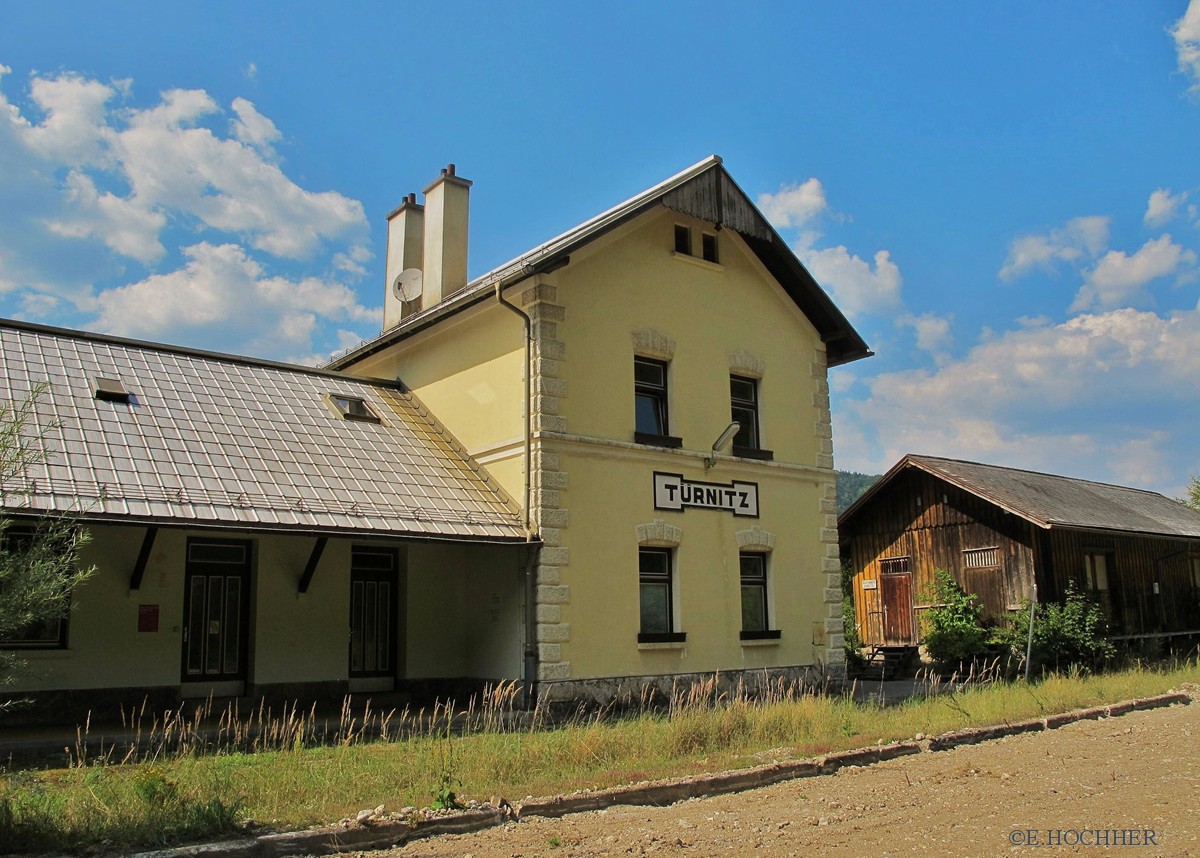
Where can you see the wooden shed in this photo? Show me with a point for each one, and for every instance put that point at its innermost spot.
(1008, 535)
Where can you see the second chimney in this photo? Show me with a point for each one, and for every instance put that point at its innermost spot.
(445, 251)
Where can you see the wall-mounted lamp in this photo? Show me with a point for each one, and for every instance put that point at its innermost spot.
(721, 443)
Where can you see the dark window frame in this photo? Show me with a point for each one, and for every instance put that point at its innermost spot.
(659, 395)
(745, 410)
(662, 578)
(756, 579)
(708, 248)
(683, 239)
(54, 636)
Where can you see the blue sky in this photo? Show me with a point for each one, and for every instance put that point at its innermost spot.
(1002, 197)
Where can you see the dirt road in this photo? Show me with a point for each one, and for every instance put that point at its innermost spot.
(1033, 794)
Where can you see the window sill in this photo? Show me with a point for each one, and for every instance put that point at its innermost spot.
(754, 453)
(696, 260)
(650, 440)
(665, 640)
(766, 635)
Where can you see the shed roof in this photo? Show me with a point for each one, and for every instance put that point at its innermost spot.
(704, 190)
(217, 440)
(1051, 501)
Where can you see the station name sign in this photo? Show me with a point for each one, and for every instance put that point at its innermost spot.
(672, 491)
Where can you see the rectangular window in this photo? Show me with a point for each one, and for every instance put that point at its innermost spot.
(683, 239)
(1096, 570)
(655, 596)
(49, 633)
(754, 597)
(743, 397)
(650, 403)
(1195, 561)
(709, 247)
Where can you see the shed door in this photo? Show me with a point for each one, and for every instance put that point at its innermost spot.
(896, 595)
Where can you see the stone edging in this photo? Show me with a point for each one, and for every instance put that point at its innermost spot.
(381, 835)
(668, 792)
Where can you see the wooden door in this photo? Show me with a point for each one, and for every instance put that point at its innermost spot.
(896, 595)
(215, 611)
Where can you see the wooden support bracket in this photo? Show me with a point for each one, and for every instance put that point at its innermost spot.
(313, 559)
(139, 568)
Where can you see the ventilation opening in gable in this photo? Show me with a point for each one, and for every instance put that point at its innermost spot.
(109, 390)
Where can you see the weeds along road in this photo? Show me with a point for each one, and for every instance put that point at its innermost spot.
(1079, 790)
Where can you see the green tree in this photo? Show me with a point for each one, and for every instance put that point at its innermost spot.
(1193, 498)
(38, 556)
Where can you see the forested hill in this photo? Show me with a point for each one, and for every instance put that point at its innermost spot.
(850, 486)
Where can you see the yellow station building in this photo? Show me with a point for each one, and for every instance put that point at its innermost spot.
(604, 464)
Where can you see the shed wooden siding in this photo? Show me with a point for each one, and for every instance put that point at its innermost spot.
(1135, 564)
(933, 523)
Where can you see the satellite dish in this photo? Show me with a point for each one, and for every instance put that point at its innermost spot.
(407, 285)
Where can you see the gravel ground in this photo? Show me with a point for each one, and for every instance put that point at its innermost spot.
(1042, 793)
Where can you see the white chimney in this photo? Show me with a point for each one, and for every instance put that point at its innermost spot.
(445, 253)
(405, 243)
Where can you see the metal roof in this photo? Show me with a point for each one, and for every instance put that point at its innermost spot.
(1050, 501)
(217, 440)
(704, 190)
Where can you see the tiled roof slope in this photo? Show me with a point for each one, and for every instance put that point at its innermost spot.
(218, 440)
(1052, 501)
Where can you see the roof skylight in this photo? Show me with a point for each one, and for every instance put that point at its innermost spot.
(353, 408)
(109, 390)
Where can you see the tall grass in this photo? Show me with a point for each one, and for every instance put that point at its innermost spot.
(204, 774)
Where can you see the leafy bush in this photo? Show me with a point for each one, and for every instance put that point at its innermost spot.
(1066, 634)
(952, 630)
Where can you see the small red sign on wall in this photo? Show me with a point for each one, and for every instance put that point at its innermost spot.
(147, 618)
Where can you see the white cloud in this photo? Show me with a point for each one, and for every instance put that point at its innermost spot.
(1068, 398)
(1162, 206)
(253, 128)
(932, 332)
(856, 286)
(794, 205)
(121, 223)
(1118, 279)
(75, 128)
(1079, 238)
(98, 192)
(135, 167)
(1186, 33)
(223, 296)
